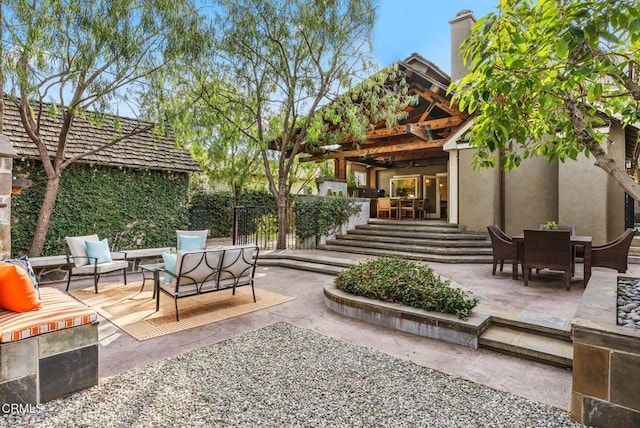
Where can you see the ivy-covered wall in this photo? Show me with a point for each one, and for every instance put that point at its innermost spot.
(132, 208)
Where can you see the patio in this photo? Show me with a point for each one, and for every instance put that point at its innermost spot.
(534, 381)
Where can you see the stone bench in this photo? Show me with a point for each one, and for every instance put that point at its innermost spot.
(50, 352)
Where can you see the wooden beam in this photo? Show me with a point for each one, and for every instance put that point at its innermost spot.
(445, 122)
(419, 132)
(386, 150)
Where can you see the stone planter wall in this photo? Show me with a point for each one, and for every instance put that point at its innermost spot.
(606, 362)
(435, 325)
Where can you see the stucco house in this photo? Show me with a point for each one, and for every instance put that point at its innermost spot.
(427, 152)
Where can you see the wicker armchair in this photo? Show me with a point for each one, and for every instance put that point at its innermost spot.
(613, 254)
(548, 249)
(503, 249)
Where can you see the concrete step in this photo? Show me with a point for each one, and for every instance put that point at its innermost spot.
(302, 265)
(324, 259)
(428, 257)
(419, 223)
(418, 233)
(416, 240)
(529, 345)
(416, 249)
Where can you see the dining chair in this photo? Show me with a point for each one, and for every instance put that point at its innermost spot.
(549, 249)
(384, 206)
(614, 254)
(408, 208)
(503, 249)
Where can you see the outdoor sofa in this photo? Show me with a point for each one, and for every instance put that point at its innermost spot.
(197, 272)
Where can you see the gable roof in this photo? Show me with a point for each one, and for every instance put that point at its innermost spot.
(140, 151)
(421, 136)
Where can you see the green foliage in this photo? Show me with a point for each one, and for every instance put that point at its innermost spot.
(544, 74)
(219, 208)
(401, 281)
(275, 63)
(320, 216)
(551, 225)
(267, 227)
(133, 209)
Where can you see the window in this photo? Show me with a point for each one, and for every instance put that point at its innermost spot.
(404, 187)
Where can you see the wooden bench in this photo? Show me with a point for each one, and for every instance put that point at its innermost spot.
(50, 352)
(205, 271)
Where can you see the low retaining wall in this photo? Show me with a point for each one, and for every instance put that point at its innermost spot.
(48, 366)
(435, 325)
(606, 362)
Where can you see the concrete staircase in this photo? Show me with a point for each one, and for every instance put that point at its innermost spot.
(427, 240)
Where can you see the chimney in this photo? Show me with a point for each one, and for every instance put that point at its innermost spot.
(460, 30)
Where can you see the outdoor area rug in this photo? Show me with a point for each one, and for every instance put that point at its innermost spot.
(135, 312)
(286, 376)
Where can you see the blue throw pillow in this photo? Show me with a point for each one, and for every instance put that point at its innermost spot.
(24, 263)
(191, 242)
(169, 265)
(99, 250)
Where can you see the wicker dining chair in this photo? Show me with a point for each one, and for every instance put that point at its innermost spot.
(613, 254)
(503, 249)
(548, 249)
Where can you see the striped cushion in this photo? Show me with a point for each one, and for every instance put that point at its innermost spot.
(59, 311)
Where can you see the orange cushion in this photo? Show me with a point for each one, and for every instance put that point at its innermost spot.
(16, 289)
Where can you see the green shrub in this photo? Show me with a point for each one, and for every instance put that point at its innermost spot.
(401, 281)
(320, 216)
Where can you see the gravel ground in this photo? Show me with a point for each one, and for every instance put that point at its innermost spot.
(286, 376)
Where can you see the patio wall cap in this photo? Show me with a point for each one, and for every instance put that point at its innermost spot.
(6, 148)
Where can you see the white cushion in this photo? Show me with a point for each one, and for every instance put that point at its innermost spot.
(102, 267)
(78, 248)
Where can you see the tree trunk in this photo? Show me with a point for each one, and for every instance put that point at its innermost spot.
(283, 225)
(44, 218)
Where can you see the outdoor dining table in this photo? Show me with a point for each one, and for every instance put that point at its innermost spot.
(399, 204)
(576, 240)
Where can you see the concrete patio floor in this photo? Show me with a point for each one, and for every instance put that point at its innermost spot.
(544, 297)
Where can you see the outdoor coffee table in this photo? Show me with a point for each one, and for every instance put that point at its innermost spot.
(154, 269)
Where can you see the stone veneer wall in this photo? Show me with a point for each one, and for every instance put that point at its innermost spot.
(7, 153)
(606, 362)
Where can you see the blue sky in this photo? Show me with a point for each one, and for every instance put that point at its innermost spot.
(422, 26)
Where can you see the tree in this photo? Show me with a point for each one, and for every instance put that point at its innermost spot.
(545, 75)
(285, 59)
(84, 57)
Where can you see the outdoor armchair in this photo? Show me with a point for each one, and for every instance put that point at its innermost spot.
(613, 254)
(503, 249)
(89, 256)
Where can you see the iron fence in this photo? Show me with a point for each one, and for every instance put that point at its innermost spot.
(259, 225)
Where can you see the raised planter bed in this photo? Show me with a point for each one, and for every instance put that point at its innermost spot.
(435, 325)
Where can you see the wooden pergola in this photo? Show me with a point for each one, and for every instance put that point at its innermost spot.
(416, 140)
